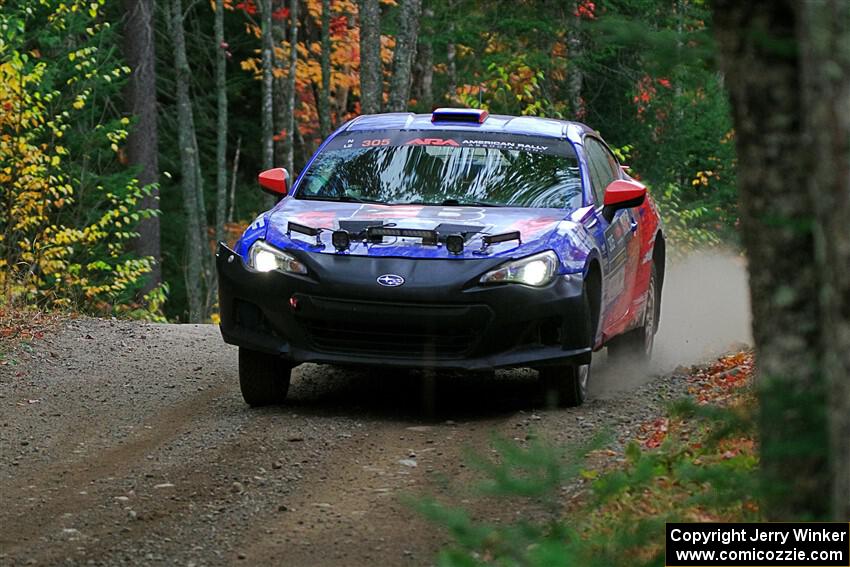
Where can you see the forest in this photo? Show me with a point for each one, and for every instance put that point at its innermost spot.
(132, 133)
(155, 118)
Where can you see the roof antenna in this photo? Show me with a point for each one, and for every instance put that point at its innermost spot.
(480, 90)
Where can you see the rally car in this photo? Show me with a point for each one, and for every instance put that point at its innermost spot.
(451, 240)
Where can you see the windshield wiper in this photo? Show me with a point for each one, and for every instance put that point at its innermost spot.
(341, 199)
(457, 203)
(451, 203)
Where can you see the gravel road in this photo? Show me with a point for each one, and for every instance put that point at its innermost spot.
(129, 443)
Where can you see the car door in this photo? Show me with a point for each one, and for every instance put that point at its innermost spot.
(618, 236)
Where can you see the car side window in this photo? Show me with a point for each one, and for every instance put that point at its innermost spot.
(603, 168)
(595, 167)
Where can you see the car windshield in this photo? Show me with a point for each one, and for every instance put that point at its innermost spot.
(445, 168)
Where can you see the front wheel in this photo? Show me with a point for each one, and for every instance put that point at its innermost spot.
(565, 386)
(263, 378)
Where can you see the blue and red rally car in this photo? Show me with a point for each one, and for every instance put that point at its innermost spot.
(454, 240)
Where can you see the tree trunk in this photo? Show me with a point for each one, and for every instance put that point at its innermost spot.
(267, 110)
(207, 270)
(279, 97)
(759, 56)
(343, 89)
(451, 65)
(140, 100)
(371, 87)
(290, 87)
(221, 132)
(824, 40)
(405, 48)
(574, 75)
(195, 250)
(325, 95)
(425, 64)
(232, 212)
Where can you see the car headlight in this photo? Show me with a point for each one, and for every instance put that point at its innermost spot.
(537, 270)
(264, 257)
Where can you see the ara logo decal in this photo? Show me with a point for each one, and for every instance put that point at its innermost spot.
(390, 280)
(431, 142)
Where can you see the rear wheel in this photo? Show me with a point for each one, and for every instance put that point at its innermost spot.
(637, 344)
(565, 386)
(263, 378)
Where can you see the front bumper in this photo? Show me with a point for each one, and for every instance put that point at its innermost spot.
(440, 318)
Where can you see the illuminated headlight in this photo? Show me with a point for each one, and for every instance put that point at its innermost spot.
(265, 258)
(537, 270)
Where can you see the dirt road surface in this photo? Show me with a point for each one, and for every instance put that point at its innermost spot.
(129, 443)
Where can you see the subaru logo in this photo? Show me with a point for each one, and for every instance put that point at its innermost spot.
(390, 280)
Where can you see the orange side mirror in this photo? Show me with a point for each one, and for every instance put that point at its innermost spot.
(622, 194)
(275, 181)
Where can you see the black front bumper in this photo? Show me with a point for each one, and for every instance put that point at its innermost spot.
(439, 318)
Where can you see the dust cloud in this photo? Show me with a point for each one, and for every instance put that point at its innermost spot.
(705, 309)
(705, 312)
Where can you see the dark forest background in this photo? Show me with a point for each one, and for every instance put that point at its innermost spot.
(213, 100)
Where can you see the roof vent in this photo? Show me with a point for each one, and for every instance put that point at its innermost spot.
(469, 115)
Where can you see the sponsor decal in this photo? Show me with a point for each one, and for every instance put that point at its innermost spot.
(532, 227)
(387, 212)
(315, 219)
(504, 145)
(431, 142)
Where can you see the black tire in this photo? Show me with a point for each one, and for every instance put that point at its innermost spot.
(565, 386)
(637, 344)
(263, 378)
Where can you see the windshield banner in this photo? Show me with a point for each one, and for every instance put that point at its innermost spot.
(449, 139)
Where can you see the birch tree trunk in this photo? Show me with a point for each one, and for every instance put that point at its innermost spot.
(325, 95)
(267, 110)
(221, 132)
(195, 251)
(825, 43)
(405, 49)
(279, 97)
(796, 241)
(232, 211)
(371, 87)
(210, 283)
(142, 142)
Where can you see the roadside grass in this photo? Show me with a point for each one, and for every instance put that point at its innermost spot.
(696, 463)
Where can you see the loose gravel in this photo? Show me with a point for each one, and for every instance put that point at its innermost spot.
(129, 443)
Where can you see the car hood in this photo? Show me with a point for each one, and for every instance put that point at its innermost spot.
(535, 226)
